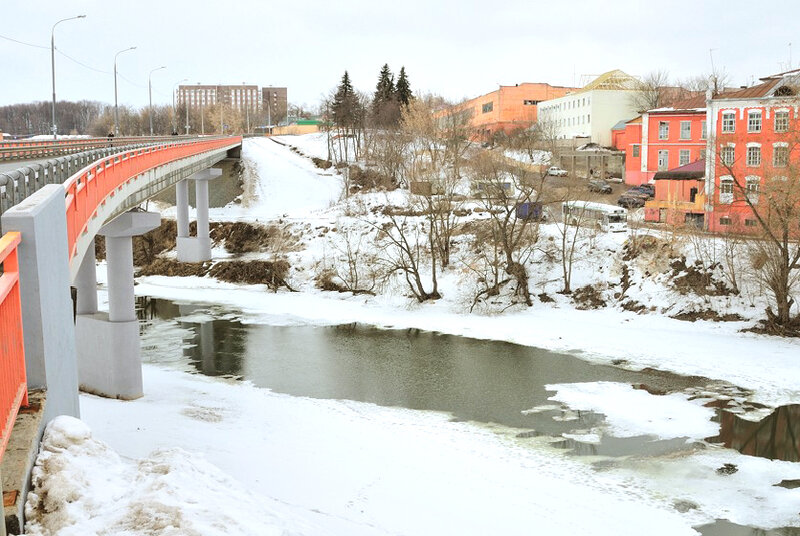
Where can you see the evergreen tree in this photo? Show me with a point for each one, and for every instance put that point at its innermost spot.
(403, 88)
(345, 103)
(384, 89)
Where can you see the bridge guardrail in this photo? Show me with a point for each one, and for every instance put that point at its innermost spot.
(22, 149)
(13, 383)
(88, 188)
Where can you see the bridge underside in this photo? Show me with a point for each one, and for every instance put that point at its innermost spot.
(142, 188)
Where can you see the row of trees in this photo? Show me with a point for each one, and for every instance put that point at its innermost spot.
(97, 119)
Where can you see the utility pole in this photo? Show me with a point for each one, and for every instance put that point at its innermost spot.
(53, 69)
(116, 108)
(150, 91)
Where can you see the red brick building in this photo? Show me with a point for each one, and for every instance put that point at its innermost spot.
(663, 139)
(756, 133)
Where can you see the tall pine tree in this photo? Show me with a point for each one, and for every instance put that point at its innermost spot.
(345, 103)
(384, 89)
(403, 88)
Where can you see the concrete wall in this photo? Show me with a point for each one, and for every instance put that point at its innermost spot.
(295, 130)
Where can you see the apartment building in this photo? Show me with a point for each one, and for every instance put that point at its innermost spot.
(240, 97)
(274, 103)
(592, 111)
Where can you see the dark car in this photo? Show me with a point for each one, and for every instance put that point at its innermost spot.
(599, 186)
(632, 199)
(647, 189)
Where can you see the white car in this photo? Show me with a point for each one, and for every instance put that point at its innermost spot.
(556, 171)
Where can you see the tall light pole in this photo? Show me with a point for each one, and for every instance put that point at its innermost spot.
(53, 67)
(174, 109)
(150, 91)
(116, 109)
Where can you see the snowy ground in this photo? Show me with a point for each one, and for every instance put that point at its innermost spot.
(341, 467)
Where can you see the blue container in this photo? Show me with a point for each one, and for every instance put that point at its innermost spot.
(532, 211)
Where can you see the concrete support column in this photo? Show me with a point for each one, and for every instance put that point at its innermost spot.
(86, 283)
(182, 204)
(198, 248)
(201, 195)
(44, 281)
(119, 258)
(109, 354)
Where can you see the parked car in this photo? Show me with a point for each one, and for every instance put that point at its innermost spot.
(556, 171)
(648, 189)
(599, 186)
(632, 199)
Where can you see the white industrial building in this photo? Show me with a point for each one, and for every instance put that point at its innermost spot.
(593, 110)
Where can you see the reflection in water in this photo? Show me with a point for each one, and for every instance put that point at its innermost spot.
(776, 436)
(726, 528)
(474, 380)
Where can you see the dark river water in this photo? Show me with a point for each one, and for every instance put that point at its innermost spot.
(473, 380)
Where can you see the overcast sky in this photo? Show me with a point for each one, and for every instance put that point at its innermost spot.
(456, 49)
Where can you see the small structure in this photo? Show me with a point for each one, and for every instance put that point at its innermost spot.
(680, 196)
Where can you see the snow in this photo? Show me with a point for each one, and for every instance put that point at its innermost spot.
(352, 468)
(341, 467)
(663, 416)
(82, 486)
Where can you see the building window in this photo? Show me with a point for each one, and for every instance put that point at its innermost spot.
(703, 130)
(751, 188)
(729, 122)
(754, 121)
(528, 102)
(724, 221)
(686, 130)
(727, 155)
(753, 156)
(781, 121)
(683, 157)
(488, 107)
(726, 190)
(636, 149)
(750, 223)
(663, 130)
(780, 155)
(663, 160)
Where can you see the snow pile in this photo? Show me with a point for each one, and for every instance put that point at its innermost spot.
(630, 412)
(45, 137)
(315, 145)
(82, 486)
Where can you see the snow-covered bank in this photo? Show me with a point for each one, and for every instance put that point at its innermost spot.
(82, 487)
(354, 468)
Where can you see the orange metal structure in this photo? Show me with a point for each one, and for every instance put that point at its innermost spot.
(13, 383)
(90, 187)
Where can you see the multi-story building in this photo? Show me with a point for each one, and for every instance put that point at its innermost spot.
(506, 109)
(755, 143)
(274, 103)
(240, 97)
(664, 139)
(592, 111)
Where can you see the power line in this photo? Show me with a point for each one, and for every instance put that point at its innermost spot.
(22, 42)
(81, 63)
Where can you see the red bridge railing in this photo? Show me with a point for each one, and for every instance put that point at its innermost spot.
(13, 384)
(87, 189)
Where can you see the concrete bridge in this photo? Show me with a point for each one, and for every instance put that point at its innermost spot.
(51, 213)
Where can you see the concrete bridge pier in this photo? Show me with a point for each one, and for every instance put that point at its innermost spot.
(194, 248)
(109, 353)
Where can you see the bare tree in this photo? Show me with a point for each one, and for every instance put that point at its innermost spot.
(649, 93)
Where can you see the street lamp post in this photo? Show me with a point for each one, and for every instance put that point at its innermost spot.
(116, 108)
(174, 109)
(53, 67)
(150, 91)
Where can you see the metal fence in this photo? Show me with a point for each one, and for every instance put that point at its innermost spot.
(13, 384)
(22, 149)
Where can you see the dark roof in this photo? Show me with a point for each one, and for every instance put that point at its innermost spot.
(698, 101)
(695, 170)
(754, 92)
